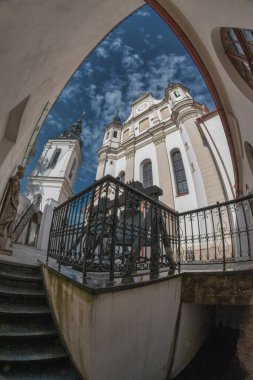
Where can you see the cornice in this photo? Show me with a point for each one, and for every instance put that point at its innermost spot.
(152, 135)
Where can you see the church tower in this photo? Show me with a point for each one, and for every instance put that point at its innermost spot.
(57, 168)
(112, 140)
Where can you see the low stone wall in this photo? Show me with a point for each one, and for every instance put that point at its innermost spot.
(135, 332)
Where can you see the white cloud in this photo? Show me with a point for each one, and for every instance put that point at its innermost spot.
(131, 60)
(87, 69)
(116, 44)
(142, 13)
(159, 37)
(113, 102)
(102, 52)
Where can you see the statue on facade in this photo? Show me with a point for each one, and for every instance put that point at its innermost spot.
(9, 209)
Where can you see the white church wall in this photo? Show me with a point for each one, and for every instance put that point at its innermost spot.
(215, 135)
(120, 165)
(46, 224)
(144, 153)
(110, 167)
(199, 187)
(188, 201)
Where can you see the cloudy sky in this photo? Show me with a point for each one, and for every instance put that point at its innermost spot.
(139, 56)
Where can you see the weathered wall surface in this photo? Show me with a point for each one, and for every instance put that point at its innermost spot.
(230, 288)
(127, 334)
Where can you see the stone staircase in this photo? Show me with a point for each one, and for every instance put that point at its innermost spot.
(30, 347)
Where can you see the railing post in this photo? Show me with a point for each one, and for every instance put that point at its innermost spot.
(178, 241)
(63, 236)
(87, 233)
(154, 261)
(222, 236)
(113, 233)
(49, 240)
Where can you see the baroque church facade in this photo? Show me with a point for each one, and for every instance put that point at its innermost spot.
(174, 143)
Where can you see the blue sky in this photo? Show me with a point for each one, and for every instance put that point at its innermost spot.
(138, 56)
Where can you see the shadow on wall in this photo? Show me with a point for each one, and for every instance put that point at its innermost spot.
(216, 359)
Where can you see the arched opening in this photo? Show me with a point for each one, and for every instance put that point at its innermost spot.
(122, 176)
(54, 159)
(33, 229)
(72, 169)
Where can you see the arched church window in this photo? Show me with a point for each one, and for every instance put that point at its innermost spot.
(165, 112)
(179, 172)
(54, 159)
(72, 169)
(144, 124)
(238, 45)
(249, 153)
(122, 176)
(147, 176)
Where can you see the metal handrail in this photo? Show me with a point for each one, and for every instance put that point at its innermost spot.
(116, 228)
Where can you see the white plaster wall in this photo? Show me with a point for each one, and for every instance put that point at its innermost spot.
(120, 165)
(188, 201)
(141, 154)
(110, 168)
(45, 224)
(134, 331)
(219, 143)
(128, 334)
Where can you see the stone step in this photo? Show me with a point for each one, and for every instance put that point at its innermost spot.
(28, 351)
(24, 283)
(26, 328)
(19, 291)
(21, 277)
(58, 370)
(30, 347)
(24, 269)
(29, 310)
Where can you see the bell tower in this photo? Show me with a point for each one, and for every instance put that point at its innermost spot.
(57, 168)
(112, 140)
(176, 92)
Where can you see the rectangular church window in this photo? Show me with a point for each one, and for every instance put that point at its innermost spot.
(144, 124)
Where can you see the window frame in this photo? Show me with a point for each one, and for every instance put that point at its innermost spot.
(245, 59)
(176, 171)
(54, 159)
(73, 166)
(147, 182)
(177, 94)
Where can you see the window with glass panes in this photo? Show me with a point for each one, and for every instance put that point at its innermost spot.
(238, 45)
(179, 172)
(147, 174)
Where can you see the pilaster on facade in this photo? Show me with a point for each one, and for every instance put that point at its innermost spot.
(159, 138)
(130, 152)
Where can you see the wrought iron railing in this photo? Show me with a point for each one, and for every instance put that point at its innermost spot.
(218, 234)
(112, 227)
(115, 228)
